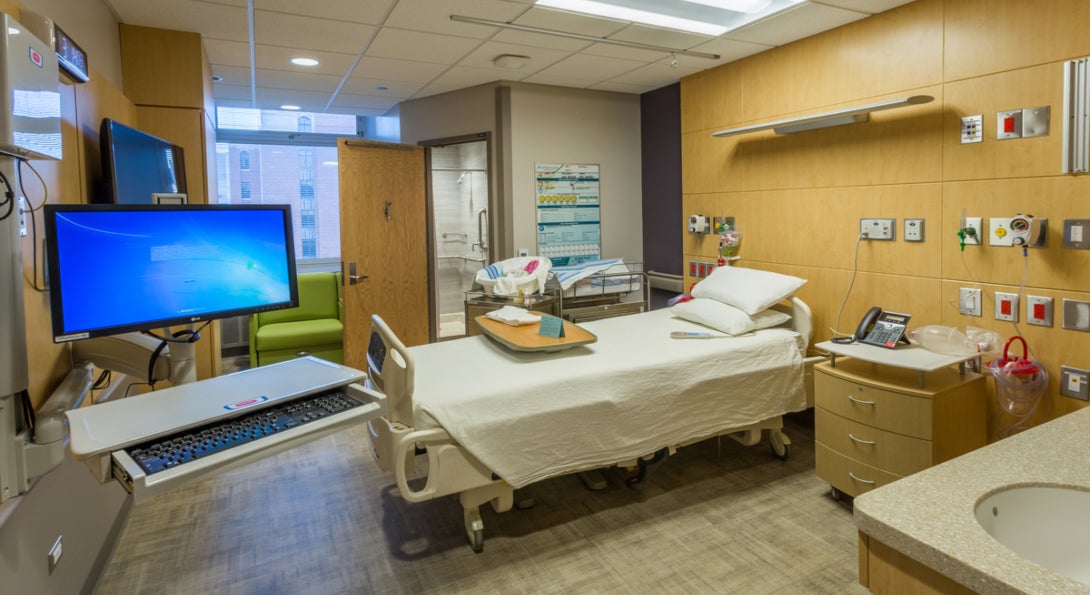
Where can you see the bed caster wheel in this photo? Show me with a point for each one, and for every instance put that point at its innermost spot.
(781, 453)
(476, 541)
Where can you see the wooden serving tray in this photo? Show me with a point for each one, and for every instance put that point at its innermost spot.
(525, 338)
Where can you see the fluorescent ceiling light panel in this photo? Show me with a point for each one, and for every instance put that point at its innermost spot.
(747, 6)
(634, 15)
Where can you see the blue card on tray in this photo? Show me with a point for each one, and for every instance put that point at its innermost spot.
(551, 326)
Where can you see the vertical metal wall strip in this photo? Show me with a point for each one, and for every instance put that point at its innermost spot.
(1076, 131)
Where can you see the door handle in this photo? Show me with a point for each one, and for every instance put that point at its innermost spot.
(386, 209)
(353, 278)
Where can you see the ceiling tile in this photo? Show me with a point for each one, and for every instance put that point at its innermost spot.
(430, 16)
(369, 86)
(235, 92)
(460, 77)
(624, 53)
(280, 79)
(544, 18)
(279, 58)
(228, 53)
(308, 33)
(421, 47)
(209, 19)
(370, 102)
(561, 80)
(596, 68)
(369, 12)
(539, 58)
(624, 88)
(232, 75)
(312, 101)
(391, 69)
(728, 50)
(663, 37)
(540, 40)
(797, 23)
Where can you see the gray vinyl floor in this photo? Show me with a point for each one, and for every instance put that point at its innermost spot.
(717, 517)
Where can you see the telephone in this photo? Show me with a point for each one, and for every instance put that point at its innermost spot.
(884, 329)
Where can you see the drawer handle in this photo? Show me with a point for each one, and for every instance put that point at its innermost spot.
(860, 440)
(859, 401)
(866, 481)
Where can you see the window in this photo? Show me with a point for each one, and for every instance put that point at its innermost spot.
(277, 157)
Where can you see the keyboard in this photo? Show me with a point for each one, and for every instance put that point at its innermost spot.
(170, 451)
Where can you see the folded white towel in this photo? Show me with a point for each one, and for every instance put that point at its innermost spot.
(513, 315)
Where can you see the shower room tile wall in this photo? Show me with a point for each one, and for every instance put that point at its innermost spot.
(460, 192)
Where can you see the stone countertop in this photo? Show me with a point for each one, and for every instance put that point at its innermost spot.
(930, 516)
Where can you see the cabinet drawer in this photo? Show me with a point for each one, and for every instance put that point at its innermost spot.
(897, 454)
(887, 410)
(848, 475)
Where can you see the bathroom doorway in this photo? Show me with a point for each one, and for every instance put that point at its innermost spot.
(460, 181)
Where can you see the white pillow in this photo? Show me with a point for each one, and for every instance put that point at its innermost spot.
(724, 318)
(749, 290)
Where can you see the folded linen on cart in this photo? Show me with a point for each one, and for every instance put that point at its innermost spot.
(513, 315)
(568, 275)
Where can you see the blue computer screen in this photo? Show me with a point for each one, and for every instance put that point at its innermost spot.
(118, 268)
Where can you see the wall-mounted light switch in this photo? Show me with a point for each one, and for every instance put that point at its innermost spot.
(1076, 315)
(969, 301)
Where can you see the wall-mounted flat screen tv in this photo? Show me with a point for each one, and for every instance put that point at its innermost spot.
(121, 268)
(136, 165)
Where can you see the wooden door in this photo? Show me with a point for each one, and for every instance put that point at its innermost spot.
(384, 240)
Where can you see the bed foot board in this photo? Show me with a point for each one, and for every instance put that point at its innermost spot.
(502, 496)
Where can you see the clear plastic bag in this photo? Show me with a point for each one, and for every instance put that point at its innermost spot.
(952, 341)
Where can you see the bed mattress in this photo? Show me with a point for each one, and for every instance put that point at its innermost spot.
(530, 416)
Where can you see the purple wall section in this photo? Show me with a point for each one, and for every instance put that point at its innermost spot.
(660, 125)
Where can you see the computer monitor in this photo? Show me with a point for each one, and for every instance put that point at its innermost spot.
(120, 268)
(137, 165)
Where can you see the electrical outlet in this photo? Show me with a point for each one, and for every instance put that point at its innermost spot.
(878, 229)
(1039, 310)
(969, 301)
(914, 230)
(524, 251)
(1006, 306)
(1075, 383)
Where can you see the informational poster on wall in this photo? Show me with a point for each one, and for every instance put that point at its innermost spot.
(568, 213)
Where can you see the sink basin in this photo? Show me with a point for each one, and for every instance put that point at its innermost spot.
(1049, 525)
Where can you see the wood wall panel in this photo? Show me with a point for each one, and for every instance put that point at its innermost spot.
(797, 199)
(1053, 198)
(1011, 158)
(163, 67)
(886, 53)
(1017, 34)
(711, 99)
(894, 147)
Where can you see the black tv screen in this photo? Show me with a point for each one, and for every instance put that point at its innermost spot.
(121, 268)
(137, 165)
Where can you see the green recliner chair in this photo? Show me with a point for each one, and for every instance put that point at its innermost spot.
(313, 328)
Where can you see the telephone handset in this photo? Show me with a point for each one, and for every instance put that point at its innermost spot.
(884, 329)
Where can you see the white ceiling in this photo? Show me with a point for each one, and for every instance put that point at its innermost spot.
(412, 48)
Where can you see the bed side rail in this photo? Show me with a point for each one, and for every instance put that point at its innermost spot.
(390, 368)
(450, 469)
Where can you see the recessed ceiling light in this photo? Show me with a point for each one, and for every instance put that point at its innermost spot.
(290, 107)
(304, 61)
(512, 61)
(216, 78)
(634, 15)
(382, 88)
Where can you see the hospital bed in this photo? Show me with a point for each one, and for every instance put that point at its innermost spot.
(490, 420)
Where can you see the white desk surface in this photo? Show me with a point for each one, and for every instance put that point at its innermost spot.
(911, 357)
(110, 426)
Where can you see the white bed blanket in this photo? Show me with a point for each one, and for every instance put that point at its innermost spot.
(529, 416)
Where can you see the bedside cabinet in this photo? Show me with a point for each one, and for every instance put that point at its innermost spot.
(876, 422)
